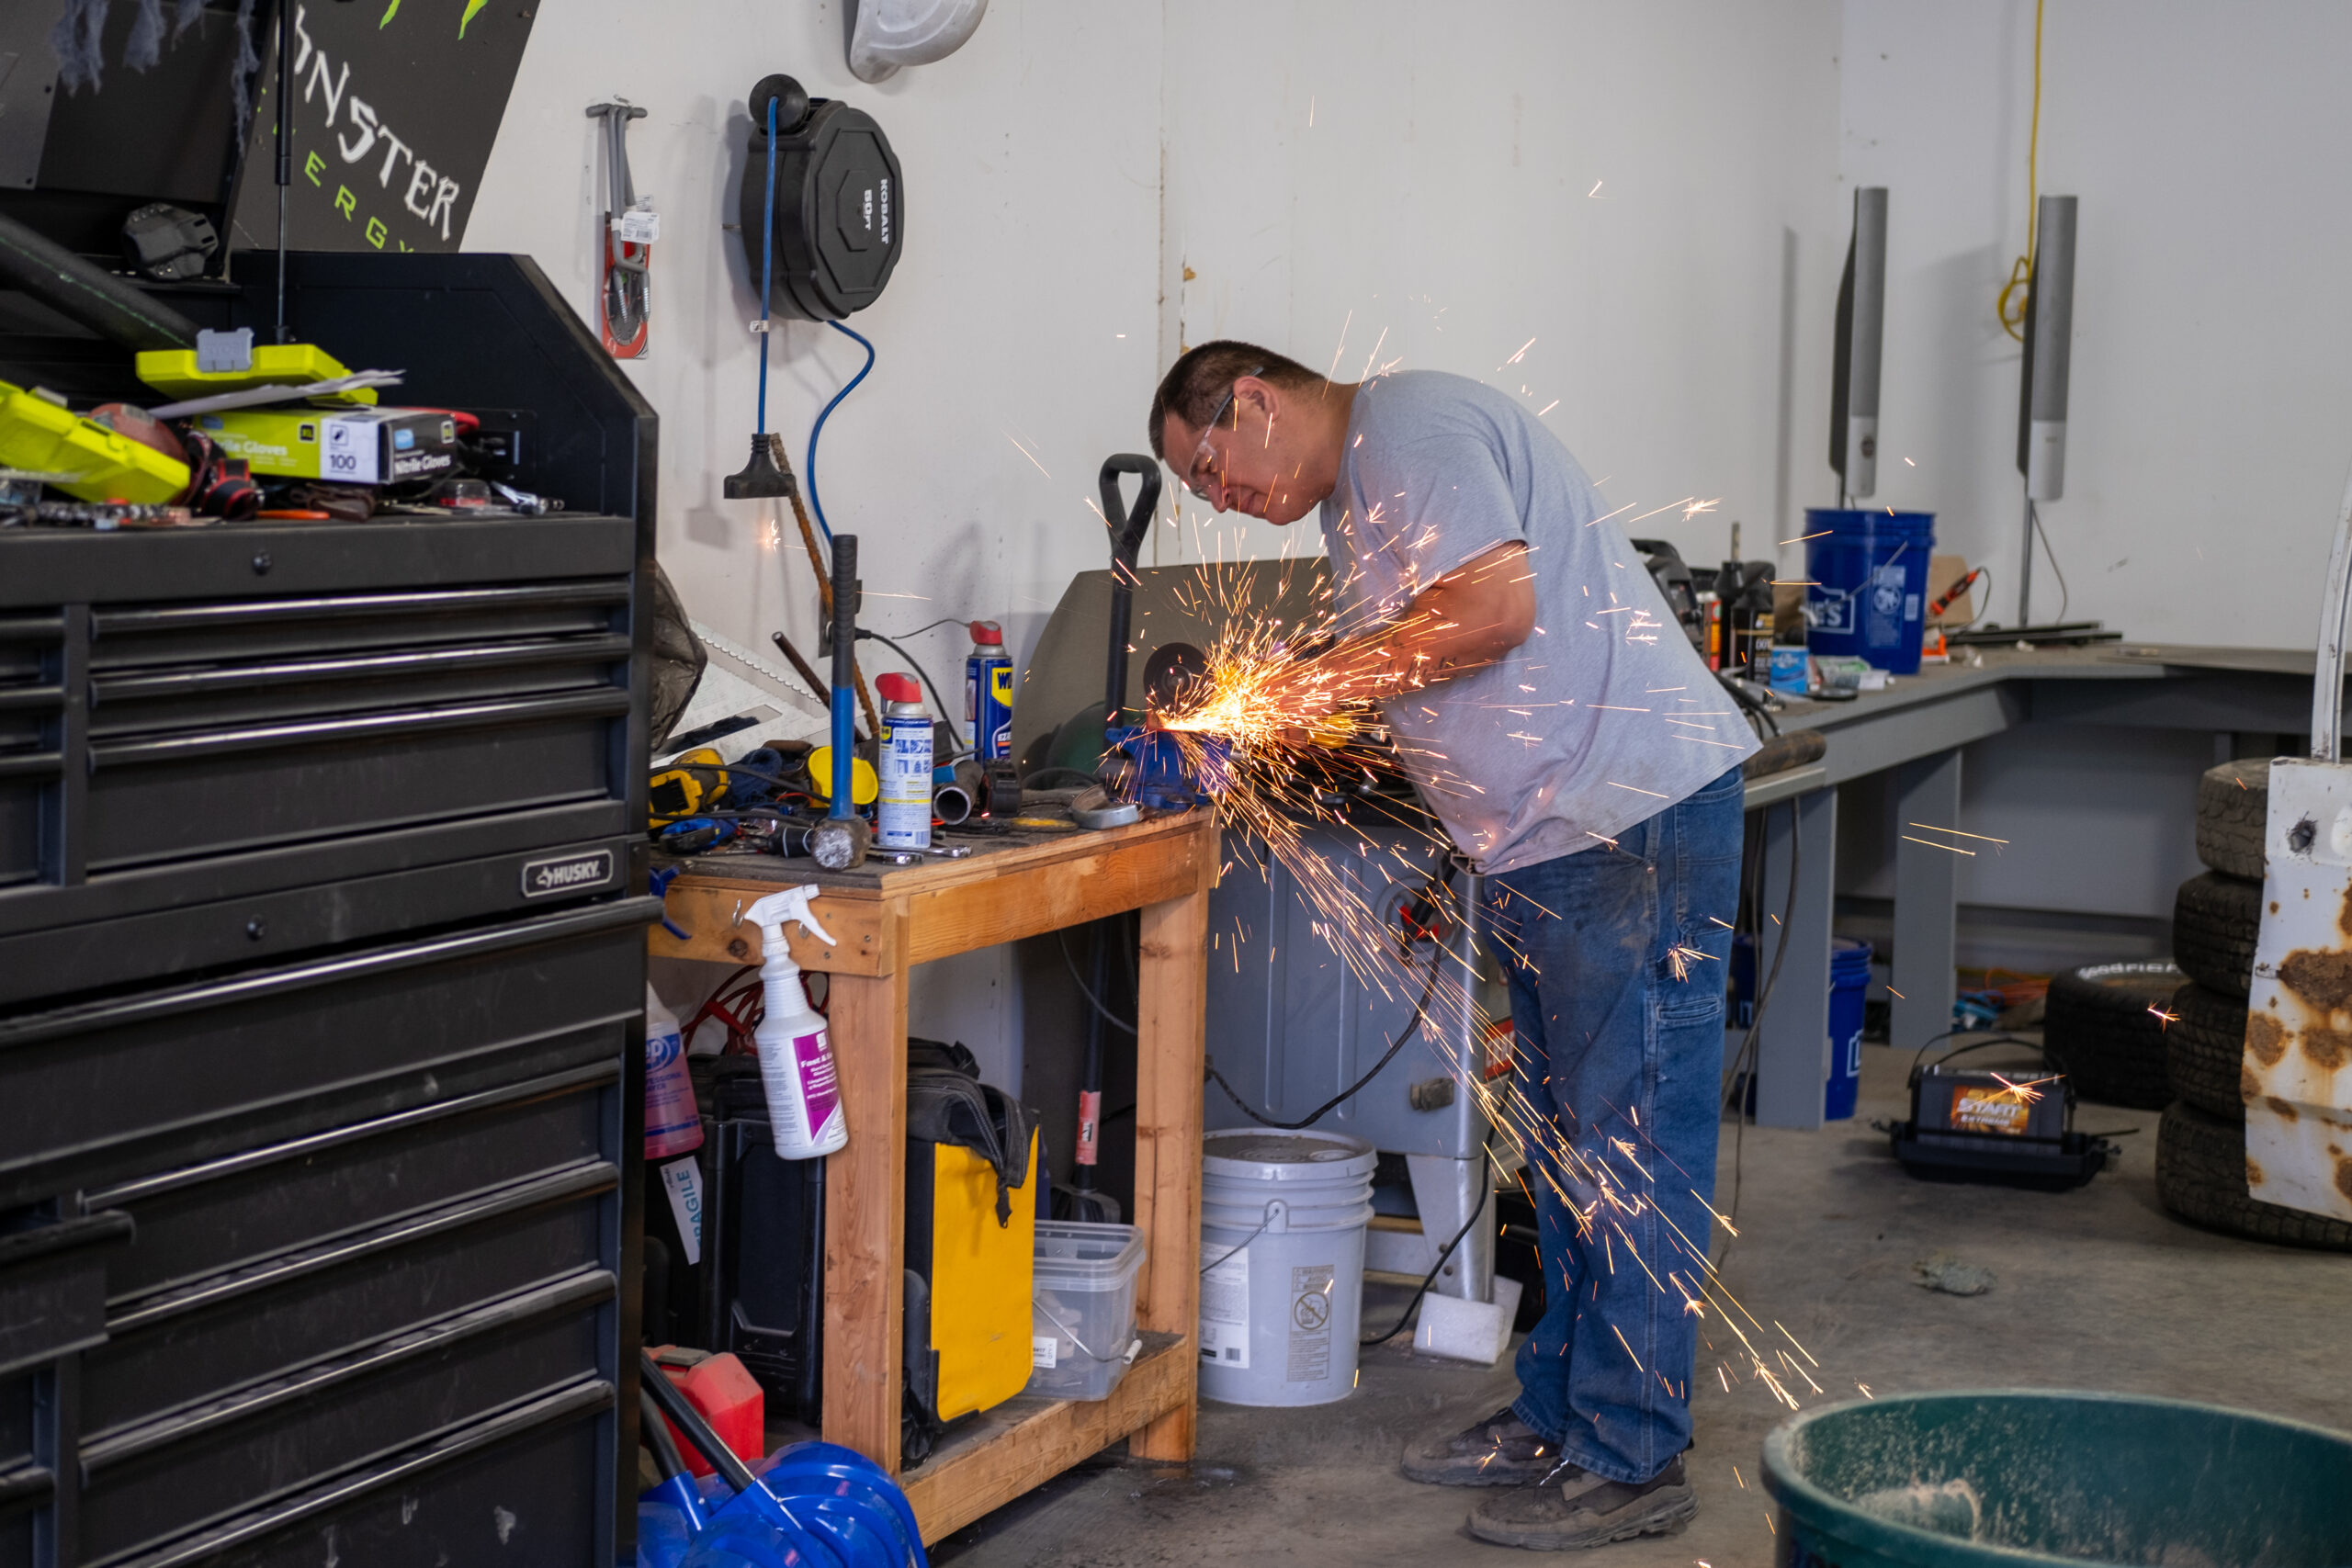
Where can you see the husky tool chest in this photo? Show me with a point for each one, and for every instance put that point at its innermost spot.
(321, 976)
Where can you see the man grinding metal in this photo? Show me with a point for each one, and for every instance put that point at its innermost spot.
(1555, 719)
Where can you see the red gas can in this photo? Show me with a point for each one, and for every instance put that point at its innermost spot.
(728, 1398)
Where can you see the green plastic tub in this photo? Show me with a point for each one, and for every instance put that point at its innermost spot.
(2008, 1478)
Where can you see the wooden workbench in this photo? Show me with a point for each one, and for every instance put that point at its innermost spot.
(884, 919)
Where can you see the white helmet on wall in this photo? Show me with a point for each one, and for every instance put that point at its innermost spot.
(886, 34)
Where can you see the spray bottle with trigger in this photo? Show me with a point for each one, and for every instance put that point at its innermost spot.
(796, 1056)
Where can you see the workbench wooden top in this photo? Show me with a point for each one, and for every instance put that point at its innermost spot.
(881, 916)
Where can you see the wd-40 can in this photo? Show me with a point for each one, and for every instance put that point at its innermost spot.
(988, 692)
(904, 810)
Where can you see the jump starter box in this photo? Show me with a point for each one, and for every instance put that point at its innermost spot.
(355, 446)
(2007, 1127)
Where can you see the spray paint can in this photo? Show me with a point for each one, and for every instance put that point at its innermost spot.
(904, 818)
(988, 692)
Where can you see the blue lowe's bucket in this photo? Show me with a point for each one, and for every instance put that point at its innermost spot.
(1867, 599)
(1849, 982)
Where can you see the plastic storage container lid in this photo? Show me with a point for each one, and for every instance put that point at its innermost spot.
(1246, 1153)
(1076, 1254)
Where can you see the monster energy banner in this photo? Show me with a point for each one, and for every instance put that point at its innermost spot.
(396, 104)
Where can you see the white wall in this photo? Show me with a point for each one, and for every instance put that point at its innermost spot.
(2212, 412)
(1064, 166)
(1424, 180)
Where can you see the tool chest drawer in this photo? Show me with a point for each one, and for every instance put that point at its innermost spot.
(145, 1485)
(192, 724)
(506, 1489)
(274, 924)
(206, 1220)
(102, 1090)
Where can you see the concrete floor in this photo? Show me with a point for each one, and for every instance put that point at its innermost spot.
(2097, 1289)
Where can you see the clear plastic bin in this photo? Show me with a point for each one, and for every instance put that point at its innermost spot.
(1082, 1308)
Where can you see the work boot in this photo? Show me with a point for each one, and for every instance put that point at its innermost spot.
(1579, 1508)
(1501, 1450)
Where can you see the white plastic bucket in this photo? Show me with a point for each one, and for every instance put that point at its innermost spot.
(1282, 1218)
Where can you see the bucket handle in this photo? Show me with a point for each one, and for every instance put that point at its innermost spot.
(1276, 1210)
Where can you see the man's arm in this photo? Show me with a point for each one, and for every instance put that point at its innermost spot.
(1471, 617)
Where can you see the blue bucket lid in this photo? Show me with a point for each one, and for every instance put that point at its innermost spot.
(1848, 956)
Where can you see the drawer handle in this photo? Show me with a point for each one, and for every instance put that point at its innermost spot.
(355, 606)
(110, 1228)
(577, 1399)
(604, 650)
(611, 701)
(143, 1188)
(568, 1291)
(31, 697)
(533, 1192)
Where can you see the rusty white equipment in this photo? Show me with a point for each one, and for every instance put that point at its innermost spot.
(2297, 1061)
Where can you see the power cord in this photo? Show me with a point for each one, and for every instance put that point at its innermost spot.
(1486, 1168)
(2033, 516)
(809, 468)
(953, 733)
(1412, 1024)
(1743, 1066)
(1061, 940)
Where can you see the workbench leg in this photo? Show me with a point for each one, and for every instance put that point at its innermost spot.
(1926, 900)
(1792, 1046)
(865, 1207)
(1170, 1014)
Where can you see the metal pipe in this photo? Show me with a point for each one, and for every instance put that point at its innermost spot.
(844, 670)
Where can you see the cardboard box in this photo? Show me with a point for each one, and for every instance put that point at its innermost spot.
(359, 446)
(1942, 572)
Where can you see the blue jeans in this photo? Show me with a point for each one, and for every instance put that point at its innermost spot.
(1618, 1073)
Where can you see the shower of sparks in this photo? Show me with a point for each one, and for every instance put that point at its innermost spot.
(1595, 191)
(1285, 744)
(1801, 539)
(1694, 508)
(2025, 1093)
(1931, 827)
(1025, 452)
(1955, 849)
(2164, 1020)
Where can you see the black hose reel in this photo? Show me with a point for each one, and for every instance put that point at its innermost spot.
(840, 203)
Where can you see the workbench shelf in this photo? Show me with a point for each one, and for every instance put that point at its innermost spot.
(884, 919)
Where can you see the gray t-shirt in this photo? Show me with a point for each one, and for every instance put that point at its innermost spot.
(1605, 715)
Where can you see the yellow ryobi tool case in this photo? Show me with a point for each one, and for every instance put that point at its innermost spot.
(971, 1239)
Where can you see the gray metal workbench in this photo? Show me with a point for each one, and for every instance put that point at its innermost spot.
(1914, 730)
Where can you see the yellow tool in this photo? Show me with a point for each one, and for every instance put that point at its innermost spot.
(39, 433)
(681, 789)
(864, 784)
(174, 371)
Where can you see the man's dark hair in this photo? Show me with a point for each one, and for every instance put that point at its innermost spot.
(1195, 384)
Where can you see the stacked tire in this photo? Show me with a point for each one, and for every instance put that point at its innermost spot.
(2217, 917)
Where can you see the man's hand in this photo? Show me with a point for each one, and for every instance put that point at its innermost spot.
(1470, 618)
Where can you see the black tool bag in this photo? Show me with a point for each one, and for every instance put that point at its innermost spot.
(947, 1104)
